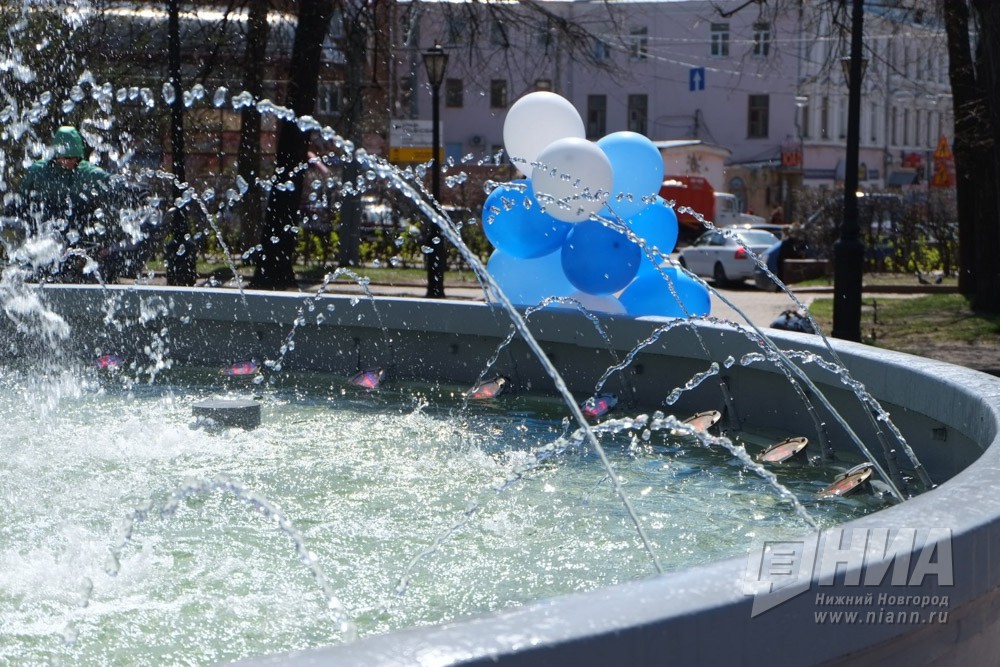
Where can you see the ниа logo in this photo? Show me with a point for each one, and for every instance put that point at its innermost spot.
(779, 570)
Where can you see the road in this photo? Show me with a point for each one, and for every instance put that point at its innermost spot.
(759, 307)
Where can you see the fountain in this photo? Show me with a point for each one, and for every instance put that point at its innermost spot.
(121, 446)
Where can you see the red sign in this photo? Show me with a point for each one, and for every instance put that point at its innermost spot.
(791, 157)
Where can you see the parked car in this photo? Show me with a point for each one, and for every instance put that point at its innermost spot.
(722, 254)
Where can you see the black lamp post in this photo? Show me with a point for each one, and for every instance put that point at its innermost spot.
(435, 61)
(849, 251)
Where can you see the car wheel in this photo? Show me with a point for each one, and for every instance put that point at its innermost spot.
(719, 275)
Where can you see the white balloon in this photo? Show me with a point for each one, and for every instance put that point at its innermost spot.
(535, 121)
(572, 179)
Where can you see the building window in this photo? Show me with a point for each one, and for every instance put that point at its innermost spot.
(455, 28)
(824, 119)
(454, 93)
(498, 35)
(805, 122)
(545, 38)
(873, 124)
(328, 99)
(761, 39)
(720, 40)
(638, 106)
(906, 127)
(842, 118)
(757, 116)
(597, 116)
(895, 126)
(498, 93)
(602, 52)
(638, 47)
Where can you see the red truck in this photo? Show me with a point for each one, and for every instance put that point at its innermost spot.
(696, 193)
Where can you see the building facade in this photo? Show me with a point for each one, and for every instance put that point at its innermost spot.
(765, 84)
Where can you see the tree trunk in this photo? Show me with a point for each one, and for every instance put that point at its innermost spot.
(987, 236)
(180, 252)
(248, 160)
(967, 103)
(275, 263)
(355, 43)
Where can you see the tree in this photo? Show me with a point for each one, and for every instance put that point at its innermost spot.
(274, 263)
(975, 83)
(248, 159)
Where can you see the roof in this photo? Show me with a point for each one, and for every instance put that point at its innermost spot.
(667, 144)
(901, 178)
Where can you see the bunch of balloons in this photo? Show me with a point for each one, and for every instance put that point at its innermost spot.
(547, 228)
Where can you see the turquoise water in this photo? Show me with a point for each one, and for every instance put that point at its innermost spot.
(396, 494)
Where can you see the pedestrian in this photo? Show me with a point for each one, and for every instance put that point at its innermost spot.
(68, 198)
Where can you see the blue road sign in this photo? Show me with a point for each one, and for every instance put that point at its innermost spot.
(696, 79)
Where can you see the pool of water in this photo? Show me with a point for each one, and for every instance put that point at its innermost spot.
(418, 509)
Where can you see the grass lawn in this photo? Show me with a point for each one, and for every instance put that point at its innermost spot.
(315, 273)
(911, 323)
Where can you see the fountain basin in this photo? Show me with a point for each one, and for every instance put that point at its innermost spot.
(700, 615)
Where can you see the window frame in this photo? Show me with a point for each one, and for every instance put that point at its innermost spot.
(454, 93)
(758, 116)
(719, 40)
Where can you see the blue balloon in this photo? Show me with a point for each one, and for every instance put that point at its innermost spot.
(657, 226)
(514, 222)
(598, 259)
(638, 171)
(527, 281)
(651, 295)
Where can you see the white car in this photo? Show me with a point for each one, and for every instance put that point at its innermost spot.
(722, 254)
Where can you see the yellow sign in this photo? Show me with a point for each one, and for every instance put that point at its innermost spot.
(943, 150)
(398, 154)
(944, 165)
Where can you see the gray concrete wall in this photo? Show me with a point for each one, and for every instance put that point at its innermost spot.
(701, 615)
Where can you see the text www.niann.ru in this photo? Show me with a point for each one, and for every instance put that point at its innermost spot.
(882, 616)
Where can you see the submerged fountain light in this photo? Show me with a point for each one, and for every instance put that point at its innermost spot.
(702, 421)
(489, 389)
(856, 479)
(368, 379)
(598, 406)
(241, 369)
(109, 362)
(782, 451)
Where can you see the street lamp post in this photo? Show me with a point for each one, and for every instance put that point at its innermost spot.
(848, 251)
(435, 61)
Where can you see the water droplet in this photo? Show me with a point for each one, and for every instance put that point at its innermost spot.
(112, 566)
(86, 589)
(70, 633)
(169, 94)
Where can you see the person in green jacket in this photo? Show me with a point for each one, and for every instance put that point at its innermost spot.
(69, 197)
